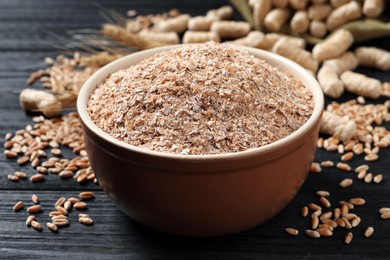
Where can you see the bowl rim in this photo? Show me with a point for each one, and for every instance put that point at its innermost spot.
(101, 74)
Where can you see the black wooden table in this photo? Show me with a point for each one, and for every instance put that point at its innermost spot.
(25, 29)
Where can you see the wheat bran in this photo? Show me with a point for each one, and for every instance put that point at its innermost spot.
(203, 99)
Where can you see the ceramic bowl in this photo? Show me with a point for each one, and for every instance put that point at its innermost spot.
(201, 195)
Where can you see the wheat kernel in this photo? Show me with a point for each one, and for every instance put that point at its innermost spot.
(324, 232)
(383, 210)
(37, 178)
(339, 222)
(56, 152)
(36, 225)
(35, 199)
(368, 178)
(20, 175)
(61, 222)
(346, 183)
(62, 210)
(314, 207)
(314, 222)
(41, 170)
(325, 202)
(68, 205)
(361, 175)
(86, 195)
(316, 213)
(80, 205)
(362, 168)
(291, 231)
(348, 204)
(12, 178)
(59, 217)
(343, 167)
(65, 174)
(369, 231)
(312, 233)
(323, 193)
(385, 215)
(10, 154)
(325, 226)
(55, 213)
(29, 220)
(356, 221)
(337, 212)
(378, 178)
(327, 164)
(357, 201)
(330, 222)
(340, 149)
(304, 211)
(348, 238)
(348, 224)
(55, 170)
(315, 167)
(82, 178)
(371, 157)
(346, 157)
(35, 162)
(60, 202)
(344, 210)
(52, 227)
(23, 160)
(18, 206)
(34, 209)
(326, 215)
(86, 221)
(73, 200)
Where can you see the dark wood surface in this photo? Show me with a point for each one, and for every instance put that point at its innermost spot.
(25, 28)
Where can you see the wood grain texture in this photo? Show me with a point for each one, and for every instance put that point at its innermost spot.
(24, 42)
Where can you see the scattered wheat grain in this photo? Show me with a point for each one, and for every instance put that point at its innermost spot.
(371, 157)
(304, 211)
(348, 238)
(343, 166)
(52, 227)
(346, 157)
(20, 175)
(29, 220)
(18, 206)
(36, 225)
(356, 221)
(291, 231)
(357, 201)
(86, 221)
(312, 233)
(324, 232)
(378, 178)
(35, 199)
(37, 178)
(80, 205)
(384, 210)
(325, 202)
(385, 215)
(369, 232)
(34, 209)
(368, 178)
(347, 182)
(327, 164)
(86, 195)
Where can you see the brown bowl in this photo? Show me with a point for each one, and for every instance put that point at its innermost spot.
(201, 195)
